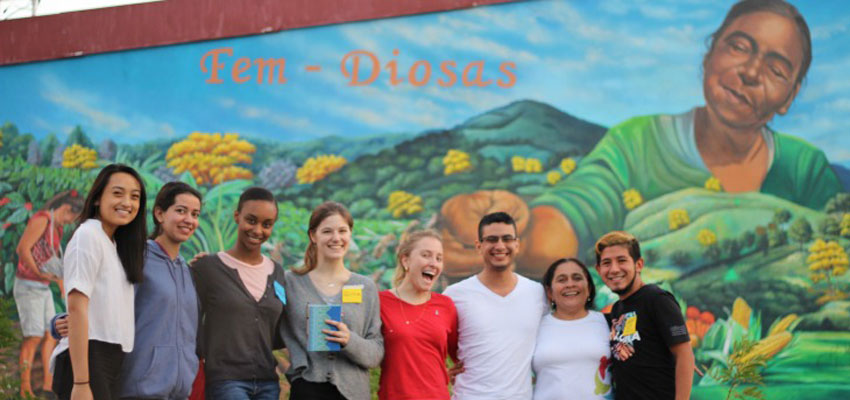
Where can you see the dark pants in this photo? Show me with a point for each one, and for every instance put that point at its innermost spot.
(306, 390)
(104, 371)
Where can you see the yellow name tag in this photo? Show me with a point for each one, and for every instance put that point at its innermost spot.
(352, 294)
(631, 325)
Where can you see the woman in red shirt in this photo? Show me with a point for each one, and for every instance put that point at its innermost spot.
(419, 326)
(37, 246)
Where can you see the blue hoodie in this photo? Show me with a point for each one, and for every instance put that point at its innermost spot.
(163, 362)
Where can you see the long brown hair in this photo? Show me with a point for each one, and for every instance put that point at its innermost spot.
(405, 248)
(320, 213)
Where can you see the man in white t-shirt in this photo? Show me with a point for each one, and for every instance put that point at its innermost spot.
(499, 313)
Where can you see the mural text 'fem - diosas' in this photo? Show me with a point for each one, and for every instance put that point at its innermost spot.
(360, 68)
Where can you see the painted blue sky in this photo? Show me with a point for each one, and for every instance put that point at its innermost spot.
(603, 61)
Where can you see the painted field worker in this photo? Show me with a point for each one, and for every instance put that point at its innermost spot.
(650, 344)
(572, 344)
(419, 326)
(499, 313)
(163, 363)
(324, 279)
(753, 70)
(39, 252)
(103, 260)
(241, 307)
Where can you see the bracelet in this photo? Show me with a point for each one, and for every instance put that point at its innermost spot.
(81, 383)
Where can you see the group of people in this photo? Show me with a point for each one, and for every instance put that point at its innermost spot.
(142, 321)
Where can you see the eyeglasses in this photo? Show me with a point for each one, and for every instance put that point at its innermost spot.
(507, 239)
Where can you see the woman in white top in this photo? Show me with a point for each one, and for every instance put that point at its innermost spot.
(572, 357)
(103, 260)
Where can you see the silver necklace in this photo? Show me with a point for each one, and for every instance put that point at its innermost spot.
(404, 315)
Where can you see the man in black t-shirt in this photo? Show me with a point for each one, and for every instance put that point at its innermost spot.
(650, 344)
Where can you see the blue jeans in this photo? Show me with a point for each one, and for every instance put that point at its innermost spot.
(251, 389)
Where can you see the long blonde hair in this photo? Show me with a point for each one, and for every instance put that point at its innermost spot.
(406, 246)
(320, 213)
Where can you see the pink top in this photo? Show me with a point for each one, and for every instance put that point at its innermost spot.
(254, 277)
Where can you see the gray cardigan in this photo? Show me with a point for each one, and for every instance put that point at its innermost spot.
(348, 369)
(237, 333)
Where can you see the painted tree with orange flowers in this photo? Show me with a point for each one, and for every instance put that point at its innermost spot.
(211, 158)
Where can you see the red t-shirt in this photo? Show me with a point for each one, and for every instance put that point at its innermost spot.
(41, 251)
(414, 365)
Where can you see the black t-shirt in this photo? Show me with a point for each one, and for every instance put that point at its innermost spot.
(643, 328)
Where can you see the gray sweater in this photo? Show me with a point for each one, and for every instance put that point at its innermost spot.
(237, 333)
(348, 369)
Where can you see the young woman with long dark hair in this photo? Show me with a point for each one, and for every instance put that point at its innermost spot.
(103, 260)
(163, 363)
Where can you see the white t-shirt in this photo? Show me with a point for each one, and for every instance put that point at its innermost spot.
(92, 267)
(572, 359)
(496, 338)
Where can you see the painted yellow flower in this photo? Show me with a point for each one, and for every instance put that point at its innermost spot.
(77, 156)
(568, 165)
(632, 198)
(706, 237)
(318, 167)
(678, 218)
(401, 203)
(713, 184)
(211, 158)
(456, 161)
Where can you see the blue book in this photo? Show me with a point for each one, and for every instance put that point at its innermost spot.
(316, 316)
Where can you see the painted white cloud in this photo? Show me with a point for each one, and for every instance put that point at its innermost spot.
(825, 32)
(295, 124)
(81, 102)
(92, 113)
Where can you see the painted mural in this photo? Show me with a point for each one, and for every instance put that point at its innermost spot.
(576, 117)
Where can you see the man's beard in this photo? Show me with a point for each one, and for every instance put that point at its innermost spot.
(500, 268)
(627, 288)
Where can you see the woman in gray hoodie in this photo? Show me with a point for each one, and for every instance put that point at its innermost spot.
(163, 363)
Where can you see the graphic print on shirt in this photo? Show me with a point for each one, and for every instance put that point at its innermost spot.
(603, 387)
(623, 335)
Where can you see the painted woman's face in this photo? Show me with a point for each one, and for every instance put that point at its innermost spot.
(179, 221)
(751, 72)
(119, 203)
(65, 215)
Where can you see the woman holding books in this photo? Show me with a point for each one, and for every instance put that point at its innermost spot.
(325, 284)
(419, 326)
(242, 302)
